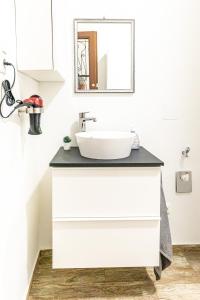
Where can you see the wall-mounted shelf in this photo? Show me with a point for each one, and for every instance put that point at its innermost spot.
(43, 75)
(35, 42)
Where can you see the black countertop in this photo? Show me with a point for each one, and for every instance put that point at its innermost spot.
(72, 158)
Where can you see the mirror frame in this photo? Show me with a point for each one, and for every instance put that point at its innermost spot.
(129, 21)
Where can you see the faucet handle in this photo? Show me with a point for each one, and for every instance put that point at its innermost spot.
(82, 114)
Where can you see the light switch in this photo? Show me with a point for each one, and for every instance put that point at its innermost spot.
(184, 182)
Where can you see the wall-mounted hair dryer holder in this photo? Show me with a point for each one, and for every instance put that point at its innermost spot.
(34, 116)
(31, 110)
(32, 105)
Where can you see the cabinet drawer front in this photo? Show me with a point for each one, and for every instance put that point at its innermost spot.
(106, 192)
(93, 244)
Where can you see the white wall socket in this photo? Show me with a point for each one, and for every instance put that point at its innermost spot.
(2, 57)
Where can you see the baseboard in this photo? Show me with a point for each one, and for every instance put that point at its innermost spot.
(189, 244)
(31, 277)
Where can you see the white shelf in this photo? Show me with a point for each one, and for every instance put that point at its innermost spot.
(43, 75)
(35, 40)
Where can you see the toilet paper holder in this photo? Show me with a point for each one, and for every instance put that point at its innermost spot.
(184, 182)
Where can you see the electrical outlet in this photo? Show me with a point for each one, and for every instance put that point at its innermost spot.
(2, 57)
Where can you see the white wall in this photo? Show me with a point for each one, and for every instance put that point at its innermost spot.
(164, 110)
(19, 206)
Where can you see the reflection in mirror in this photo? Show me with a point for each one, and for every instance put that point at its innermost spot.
(104, 56)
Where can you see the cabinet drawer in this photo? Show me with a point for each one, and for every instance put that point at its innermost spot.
(106, 192)
(105, 243)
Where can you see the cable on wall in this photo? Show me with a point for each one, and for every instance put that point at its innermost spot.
(8, 97)
(33, 105)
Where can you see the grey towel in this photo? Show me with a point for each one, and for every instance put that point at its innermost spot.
(165, 238)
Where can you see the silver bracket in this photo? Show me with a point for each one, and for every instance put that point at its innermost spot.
(185, 153)
(30, 110)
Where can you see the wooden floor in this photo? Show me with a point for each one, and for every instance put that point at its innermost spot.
(180, 281)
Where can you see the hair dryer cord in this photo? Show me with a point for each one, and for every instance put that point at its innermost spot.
(8, 97)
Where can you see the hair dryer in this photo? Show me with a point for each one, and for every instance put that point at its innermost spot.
(34, 107)
(34, 104)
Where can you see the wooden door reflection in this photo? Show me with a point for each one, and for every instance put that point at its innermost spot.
(91, 36)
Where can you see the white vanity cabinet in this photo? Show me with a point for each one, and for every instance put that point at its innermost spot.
(35, 40)
(105, 216)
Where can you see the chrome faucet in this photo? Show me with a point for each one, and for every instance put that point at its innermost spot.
(83, 119)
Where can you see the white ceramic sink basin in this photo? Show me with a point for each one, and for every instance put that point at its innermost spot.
(105, 144)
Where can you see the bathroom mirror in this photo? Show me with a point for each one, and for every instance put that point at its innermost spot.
(104, 56)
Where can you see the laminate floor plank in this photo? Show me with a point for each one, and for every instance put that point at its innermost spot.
(181, 281)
